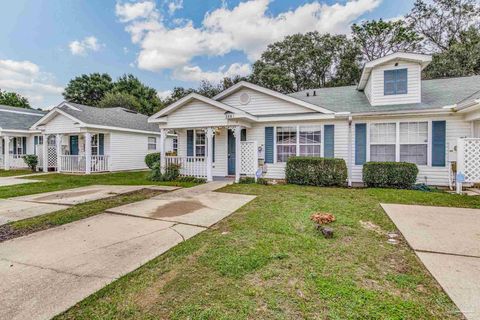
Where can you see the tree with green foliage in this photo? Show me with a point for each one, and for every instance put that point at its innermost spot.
(305, 61)
(88, 89)
(145, 95)
(442, 22)
(120, 100)
(377, 38)
(462, 58)
(13, 99)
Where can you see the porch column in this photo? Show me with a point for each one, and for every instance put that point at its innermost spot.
(45, 153)
(209, 135)
(88, 152)
(163, 137)
(58, 145)
(6, 152)
(238, 156)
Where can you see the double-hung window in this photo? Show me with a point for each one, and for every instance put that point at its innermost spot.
(382, 141)
(286, 143)
(152, 143)
(94, 145)
(310, 141)
(414, 142)
(395, 81)
(175, 145)
(200, 143)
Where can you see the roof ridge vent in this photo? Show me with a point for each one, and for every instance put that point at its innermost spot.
(129, 111)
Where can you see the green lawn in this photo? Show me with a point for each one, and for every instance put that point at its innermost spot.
(11, 173)
(81, 211)
(54, 182)
(266, 261)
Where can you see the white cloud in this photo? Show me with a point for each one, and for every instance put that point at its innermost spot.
(248, 27)
(174, 5)
(140, 10)
(81, 47)
(26, 78)
(195, 73)
(164, 94)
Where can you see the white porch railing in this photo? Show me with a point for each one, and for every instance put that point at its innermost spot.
(16, 161)
(468, 161)
(100, 164)
(189, 166)
(77, 163)
(72, 163)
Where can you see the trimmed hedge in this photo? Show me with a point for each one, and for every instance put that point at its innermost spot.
(316, 171)
(400, 175)
(151, 159)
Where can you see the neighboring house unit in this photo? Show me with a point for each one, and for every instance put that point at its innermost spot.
(392, 115)
(110, 139)
(16, 137)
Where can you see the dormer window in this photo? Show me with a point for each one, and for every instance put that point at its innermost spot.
(395, 82)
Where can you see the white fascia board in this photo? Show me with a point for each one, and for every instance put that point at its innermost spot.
(88, 126)
(158, 120)
(51, 113)
(245, 84)
(297, 117)
(402, 113)
(189, 98)
(23, 112)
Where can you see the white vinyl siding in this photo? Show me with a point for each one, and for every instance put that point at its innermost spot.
(61, 124)
(263, 104)
(376, 93)
(127, 150)
(197, 114)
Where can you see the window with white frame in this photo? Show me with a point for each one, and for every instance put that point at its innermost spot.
(286, 143)
(310, 141)
(152, 143)
(95, 145)
(175, 145)
(200, 143)
(414, 142)
(383, 138)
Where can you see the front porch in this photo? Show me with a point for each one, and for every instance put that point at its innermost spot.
(85, 152)
(13, 149)
(212, 151)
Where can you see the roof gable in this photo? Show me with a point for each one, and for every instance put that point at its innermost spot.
(243, 84)
(195, 97)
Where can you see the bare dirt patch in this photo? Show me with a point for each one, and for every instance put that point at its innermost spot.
(177, 208)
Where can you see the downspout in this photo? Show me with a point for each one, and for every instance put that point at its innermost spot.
(349, 159)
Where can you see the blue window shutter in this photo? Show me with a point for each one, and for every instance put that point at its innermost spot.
(189, 143)
(329, 137)
(74, 145)
(213, 147)
(24, 145)
(360, 143)
(268, 144)
(101, 148)
(438, 143)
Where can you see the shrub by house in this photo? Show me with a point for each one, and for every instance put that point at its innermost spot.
(401, 175)
(316, 171)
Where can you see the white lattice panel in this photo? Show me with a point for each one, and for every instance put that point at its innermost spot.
(52, 157)
(471, 160)
(248, 157)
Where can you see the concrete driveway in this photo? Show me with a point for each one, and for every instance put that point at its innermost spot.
(447, 241)
(45, 273)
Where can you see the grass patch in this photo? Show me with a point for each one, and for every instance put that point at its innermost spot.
(55, 182)
(12, 173)
(80, 211)
(267, 261)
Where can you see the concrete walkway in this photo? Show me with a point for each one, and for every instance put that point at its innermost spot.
(447, 241)
(45, 273)
(24, 207)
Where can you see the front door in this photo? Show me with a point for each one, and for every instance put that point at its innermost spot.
(231, 149)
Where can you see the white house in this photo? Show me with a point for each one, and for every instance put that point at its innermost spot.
(110, 139)
(392, 115)
(15, 135)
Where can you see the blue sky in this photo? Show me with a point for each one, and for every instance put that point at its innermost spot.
(165, 43)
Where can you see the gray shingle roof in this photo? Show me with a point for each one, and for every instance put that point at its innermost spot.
(436, 93)
(111, 117)
(12, 118)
